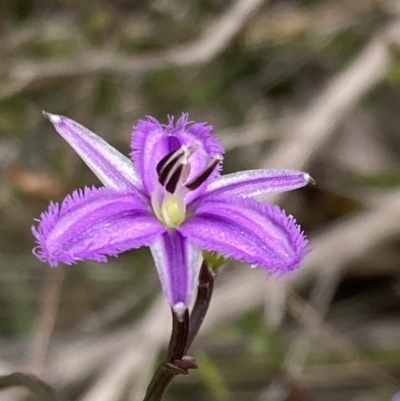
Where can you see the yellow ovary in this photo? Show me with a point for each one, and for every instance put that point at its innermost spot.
(173, 210)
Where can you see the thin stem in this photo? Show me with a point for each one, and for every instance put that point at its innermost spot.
(169, 368)
(204, 294)
(179, 337)
(183, 333)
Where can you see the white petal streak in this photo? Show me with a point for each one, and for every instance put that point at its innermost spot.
(251, 183)
(177, 262)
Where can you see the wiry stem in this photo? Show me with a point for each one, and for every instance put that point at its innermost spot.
(204, 294)
(172, 364)
(179, 336)
(183, 333)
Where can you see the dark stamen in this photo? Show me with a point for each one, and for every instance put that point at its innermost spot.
(197, 181)
(167, 163)
(174, 179)
(166, 167)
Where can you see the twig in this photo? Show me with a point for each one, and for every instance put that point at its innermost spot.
(130, 356)
(323, 292)
(313, 128)
(324, 18)
(310, 130)
(320, 330)
(210, 44)
(48, 307)
(39, 388)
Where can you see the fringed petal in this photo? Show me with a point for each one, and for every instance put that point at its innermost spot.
(93, 224)
(257, 233)
(152, 141)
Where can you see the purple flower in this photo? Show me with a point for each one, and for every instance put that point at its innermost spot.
(396, 397)
(173, 199)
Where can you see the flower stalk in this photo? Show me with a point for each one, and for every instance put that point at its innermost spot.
(203, 299)
(174, 363)
(184, 331)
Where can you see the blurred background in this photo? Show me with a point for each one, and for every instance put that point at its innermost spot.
(305, 84)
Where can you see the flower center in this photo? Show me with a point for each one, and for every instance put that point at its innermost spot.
(168, 198)
(173, 210)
